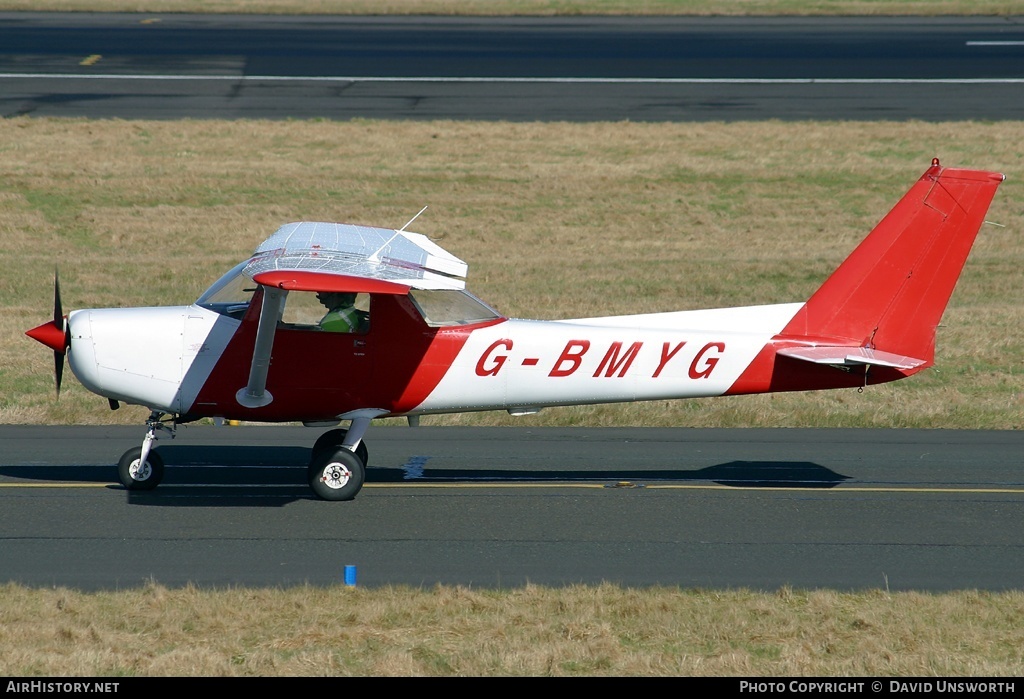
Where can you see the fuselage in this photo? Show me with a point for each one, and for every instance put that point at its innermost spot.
(190, 360)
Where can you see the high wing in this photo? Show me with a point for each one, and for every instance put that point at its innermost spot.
(350, 253)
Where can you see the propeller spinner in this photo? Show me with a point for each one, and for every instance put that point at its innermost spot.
(54, 334)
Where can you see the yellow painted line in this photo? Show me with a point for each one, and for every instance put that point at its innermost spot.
(421, 484)
(55, 485)
(151, 20)
(669, 486)
(90, 60)
(838, 489)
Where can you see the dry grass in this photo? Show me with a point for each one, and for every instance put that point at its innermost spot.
(454, 631)
(556, 220)
(532, 7)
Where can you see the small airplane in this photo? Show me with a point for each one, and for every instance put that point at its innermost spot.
(256, 345)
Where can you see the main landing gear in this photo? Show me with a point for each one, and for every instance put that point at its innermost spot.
(337, 468)
(336, 471)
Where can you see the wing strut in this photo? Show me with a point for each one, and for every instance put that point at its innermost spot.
(256, 395)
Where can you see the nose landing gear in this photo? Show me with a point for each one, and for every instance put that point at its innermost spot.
(141, 468)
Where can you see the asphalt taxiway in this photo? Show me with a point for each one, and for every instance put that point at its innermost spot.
(498, 507)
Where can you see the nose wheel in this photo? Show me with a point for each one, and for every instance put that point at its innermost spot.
(141, 468)
(136, 473)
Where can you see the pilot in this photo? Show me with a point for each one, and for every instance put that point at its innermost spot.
(342, 316)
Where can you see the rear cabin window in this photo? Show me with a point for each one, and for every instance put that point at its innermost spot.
(447, 307)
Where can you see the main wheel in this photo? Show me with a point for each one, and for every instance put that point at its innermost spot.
(135, 475)
(334, 439)
(336, 474)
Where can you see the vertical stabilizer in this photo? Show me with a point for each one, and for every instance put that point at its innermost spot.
(891, 291)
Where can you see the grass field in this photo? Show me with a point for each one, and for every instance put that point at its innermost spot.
(600, 630)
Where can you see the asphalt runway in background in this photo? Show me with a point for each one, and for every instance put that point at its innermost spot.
(498, 507)
(153, 66)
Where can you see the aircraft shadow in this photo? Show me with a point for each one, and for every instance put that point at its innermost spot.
(224, 476)
(740, 474)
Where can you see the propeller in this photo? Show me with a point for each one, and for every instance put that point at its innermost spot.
(54, 334)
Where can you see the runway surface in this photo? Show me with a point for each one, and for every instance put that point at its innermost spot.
(516, 69)
(500, 507)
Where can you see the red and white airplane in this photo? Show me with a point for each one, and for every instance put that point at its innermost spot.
(252, 347)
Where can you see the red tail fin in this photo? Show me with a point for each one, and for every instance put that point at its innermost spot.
(891, 291)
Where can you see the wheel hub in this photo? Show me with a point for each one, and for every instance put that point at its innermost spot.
(336, 475)
(140, 471)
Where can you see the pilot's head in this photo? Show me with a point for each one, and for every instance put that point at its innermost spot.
(336, 299)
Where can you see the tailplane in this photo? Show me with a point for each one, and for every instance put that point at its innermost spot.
(884, 303)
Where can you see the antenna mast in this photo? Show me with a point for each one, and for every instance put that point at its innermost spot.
(412, 219)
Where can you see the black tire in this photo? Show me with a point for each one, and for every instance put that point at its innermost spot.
(134, 477)
(334, 439)
(336, 474)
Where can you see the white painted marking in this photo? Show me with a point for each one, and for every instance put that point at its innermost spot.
(582, 81)
(995, 43)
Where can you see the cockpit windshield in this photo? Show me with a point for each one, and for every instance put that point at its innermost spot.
(230, 295)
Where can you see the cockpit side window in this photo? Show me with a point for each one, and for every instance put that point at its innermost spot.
(231, 294)
(327, 311)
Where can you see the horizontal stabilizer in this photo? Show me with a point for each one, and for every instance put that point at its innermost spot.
(848, 356)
